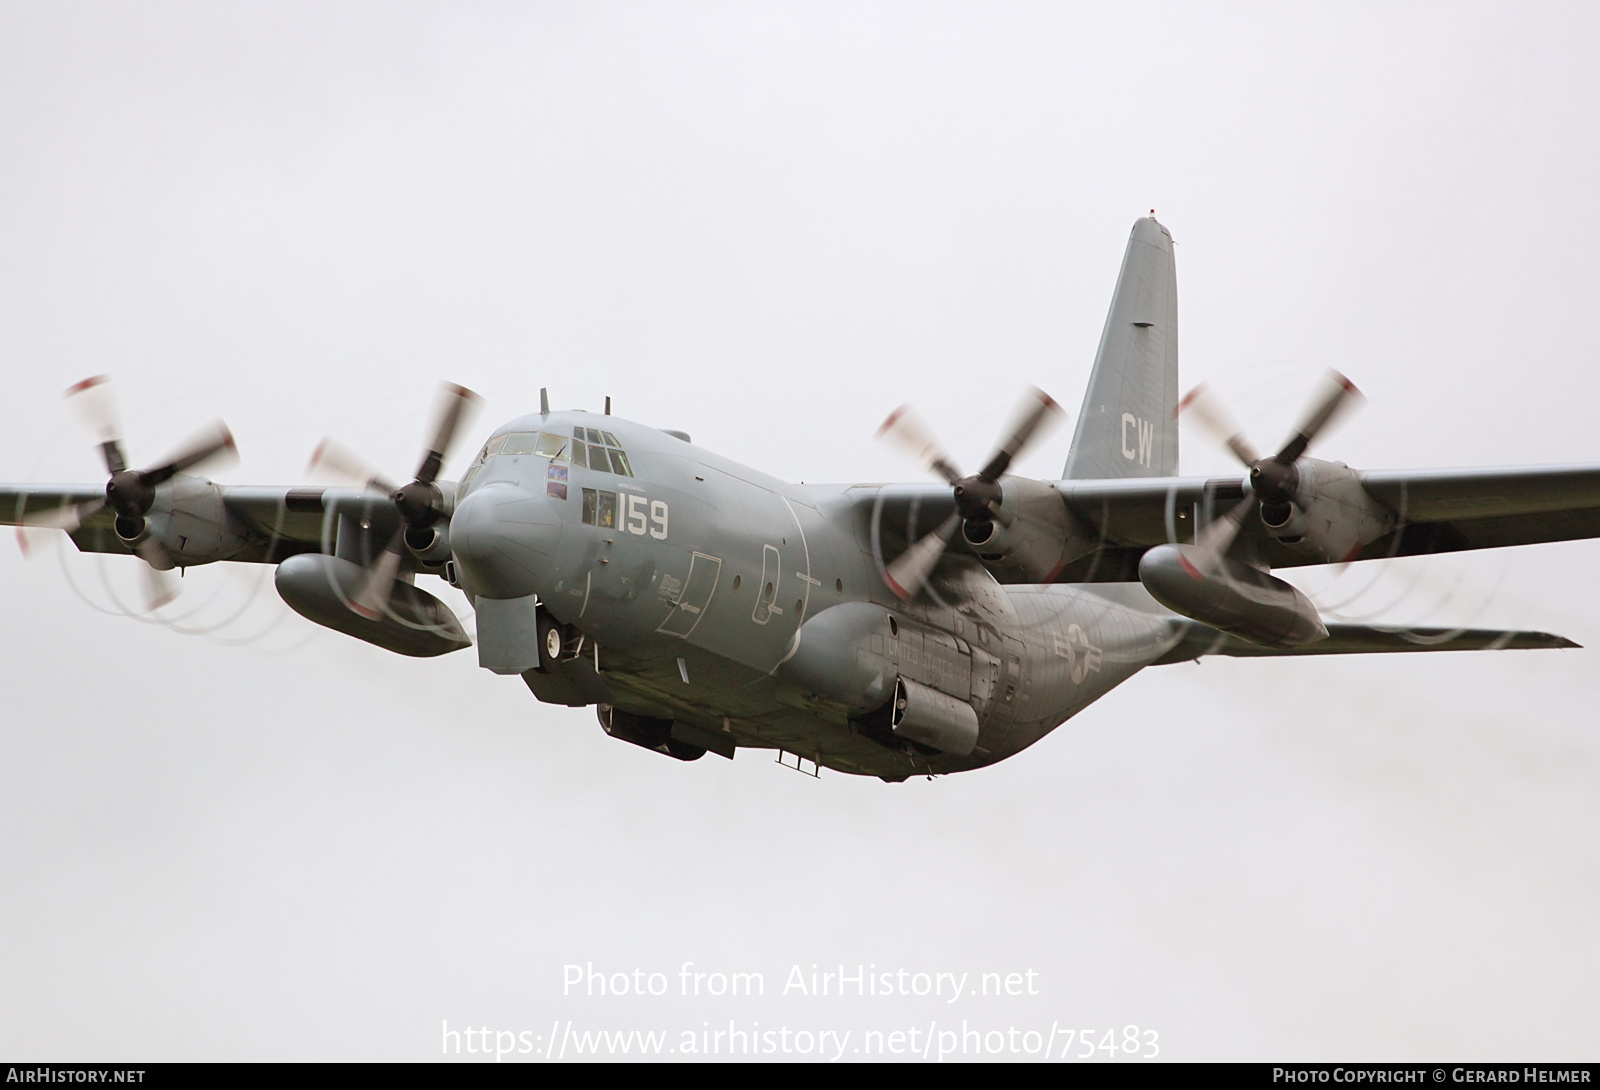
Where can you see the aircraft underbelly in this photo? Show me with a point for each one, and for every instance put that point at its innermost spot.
(1079, 645)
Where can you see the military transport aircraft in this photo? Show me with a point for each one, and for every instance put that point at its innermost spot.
(878, 629)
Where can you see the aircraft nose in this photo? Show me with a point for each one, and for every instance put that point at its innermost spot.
(505, 540)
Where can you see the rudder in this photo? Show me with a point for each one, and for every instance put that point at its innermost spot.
(1128, 425)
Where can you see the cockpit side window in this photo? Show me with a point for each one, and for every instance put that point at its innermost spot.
(599, 450)
(491, 448)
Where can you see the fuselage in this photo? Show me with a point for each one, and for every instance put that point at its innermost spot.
(711, 594)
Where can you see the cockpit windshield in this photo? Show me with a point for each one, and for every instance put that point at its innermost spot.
(586, 448)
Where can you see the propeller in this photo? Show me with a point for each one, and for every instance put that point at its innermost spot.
(130, 493)
(978, 497)
(420, 504)
(1274, 479)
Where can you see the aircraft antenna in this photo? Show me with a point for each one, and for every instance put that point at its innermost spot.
(544, 401)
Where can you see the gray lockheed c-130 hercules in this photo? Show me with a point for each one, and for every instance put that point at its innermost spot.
(887, 630)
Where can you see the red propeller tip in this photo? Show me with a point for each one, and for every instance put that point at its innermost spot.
(87, 384)
(889, 422)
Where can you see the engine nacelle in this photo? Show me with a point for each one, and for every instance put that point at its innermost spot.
(1042, 537)
(1234, 598)
(429, 544)
(1332, 516)
(319, 588)
(189, 520)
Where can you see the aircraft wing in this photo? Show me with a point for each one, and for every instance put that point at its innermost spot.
(1450, 510)
(1360, 639)
(1439, 510)
(270, 523)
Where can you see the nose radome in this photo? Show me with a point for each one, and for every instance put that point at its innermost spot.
(505, 540)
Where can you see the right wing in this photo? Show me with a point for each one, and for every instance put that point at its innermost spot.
(1450, 510)
(1360, 639)
(1437, 511)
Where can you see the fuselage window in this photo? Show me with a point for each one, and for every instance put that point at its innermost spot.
(599, 508)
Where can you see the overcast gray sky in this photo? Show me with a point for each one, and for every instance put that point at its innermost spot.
(769, 225)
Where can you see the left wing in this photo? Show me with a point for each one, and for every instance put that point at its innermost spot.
(202, 522)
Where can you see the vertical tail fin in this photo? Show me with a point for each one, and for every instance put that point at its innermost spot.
(1128, 426)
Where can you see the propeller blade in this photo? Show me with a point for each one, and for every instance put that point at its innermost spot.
(1031, 420)
(1215, 418)
(1213, 542)
(63, 518)
(25, 540)
(159, 589)
(906, 429)
(205, 445)
(372, 597)
(911, 568)
(333, 457)
(155, 554)
(453, 407)
(159, 585)
(999, 514)
(1338, 392)
(92, 398)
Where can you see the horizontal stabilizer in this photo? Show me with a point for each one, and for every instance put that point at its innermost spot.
(1361, 639)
